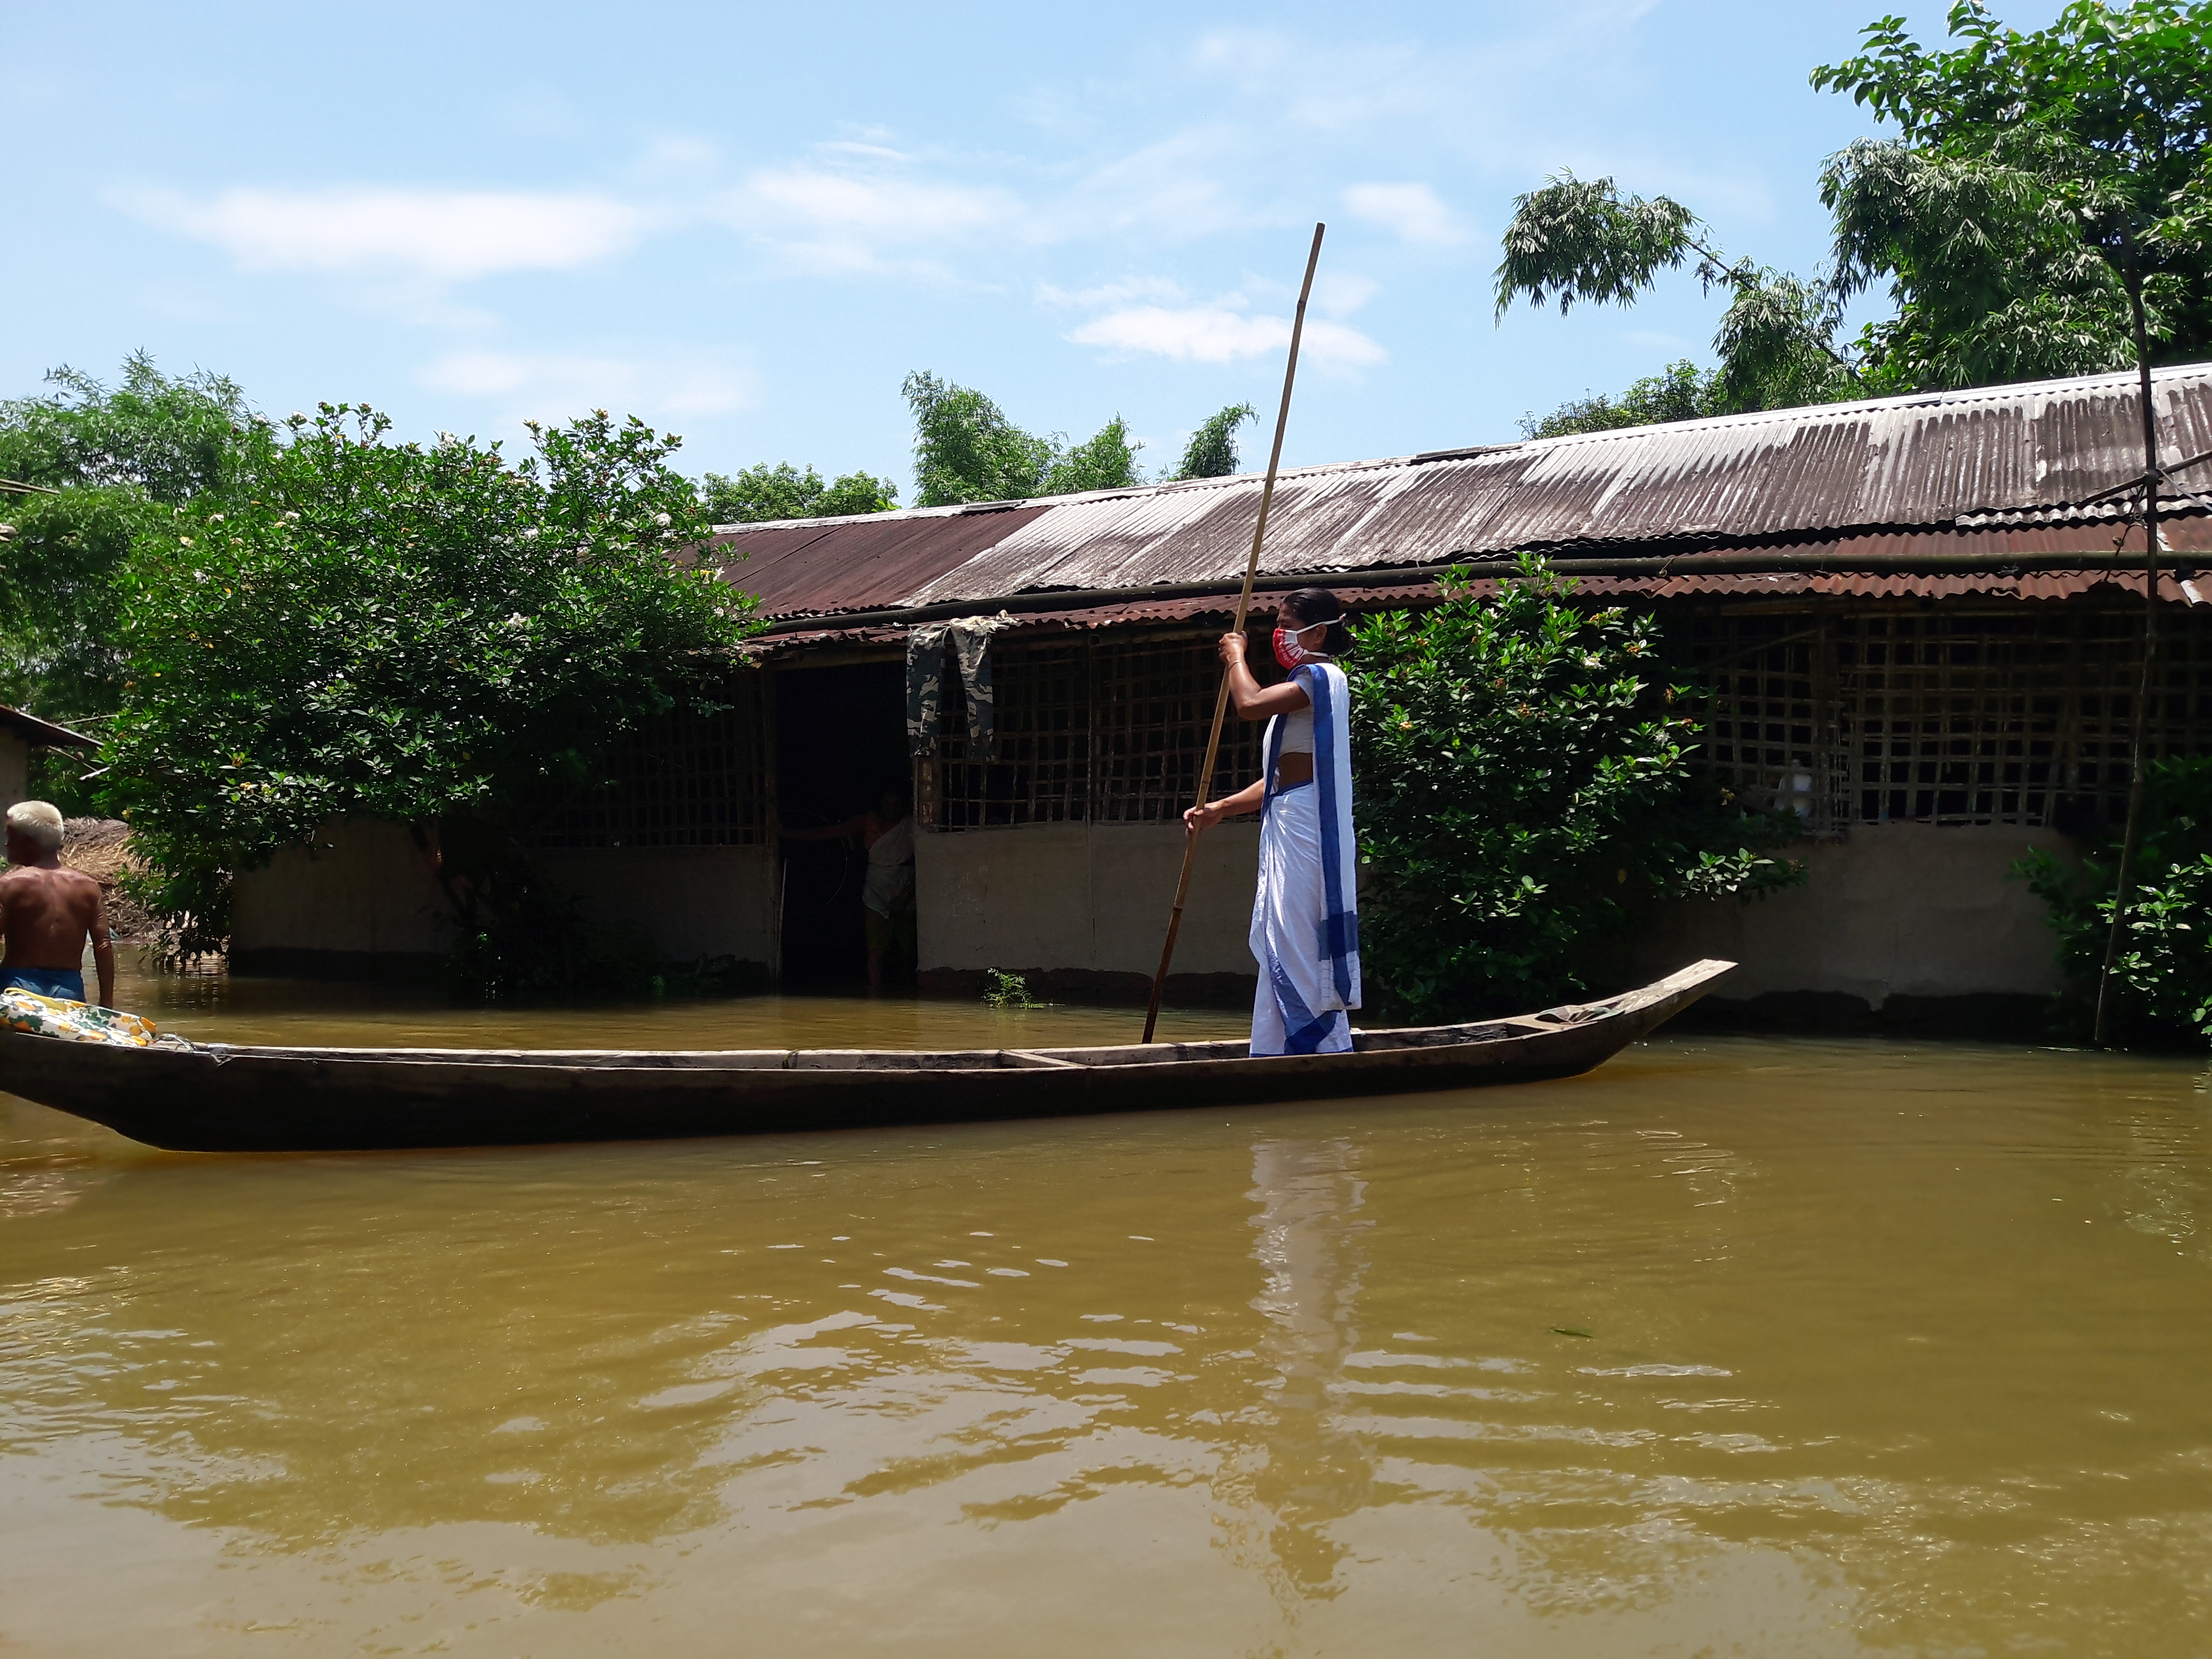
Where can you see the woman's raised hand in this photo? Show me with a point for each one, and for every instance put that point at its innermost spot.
(1231, 647)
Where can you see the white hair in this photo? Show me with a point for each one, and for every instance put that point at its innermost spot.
(38, 821)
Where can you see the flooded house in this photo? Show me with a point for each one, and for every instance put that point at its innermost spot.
(1916, 623)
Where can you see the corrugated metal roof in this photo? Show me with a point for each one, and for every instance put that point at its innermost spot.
(2019, 460)
(854, 564)
(2120, 583)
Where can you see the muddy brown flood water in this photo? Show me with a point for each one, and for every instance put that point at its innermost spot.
(1734, 1346)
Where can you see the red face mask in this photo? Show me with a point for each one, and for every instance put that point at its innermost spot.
(1291, 653)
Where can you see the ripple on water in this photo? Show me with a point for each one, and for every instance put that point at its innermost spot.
(1852, 1377)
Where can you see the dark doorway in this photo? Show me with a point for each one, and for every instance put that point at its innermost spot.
(839, 738)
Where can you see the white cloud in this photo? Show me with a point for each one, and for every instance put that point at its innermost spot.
(1157, 290)
(1167, 189)
(676, 157)
(442, 234)
(854, 147)
(1214, 334)
(895, 207)
(1415, 212)
(555, 386)
(1340, 293)
(866, 211)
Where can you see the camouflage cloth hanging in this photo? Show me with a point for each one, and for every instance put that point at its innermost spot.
(970, 640)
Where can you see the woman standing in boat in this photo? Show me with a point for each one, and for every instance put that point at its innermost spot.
(1306, 922)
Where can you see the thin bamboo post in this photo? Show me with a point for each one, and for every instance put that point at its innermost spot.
(2131, 837)
(1244, 605)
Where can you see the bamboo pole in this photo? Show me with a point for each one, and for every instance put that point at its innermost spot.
(1244, 605)
(2131, 837)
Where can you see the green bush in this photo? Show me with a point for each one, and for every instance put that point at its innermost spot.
(2162, 989)
(1524, 777)
(419, 633)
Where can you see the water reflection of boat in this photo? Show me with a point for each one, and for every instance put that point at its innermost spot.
(216, 1097)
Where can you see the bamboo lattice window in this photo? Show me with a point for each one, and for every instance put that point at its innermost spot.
(689, 780)
(2022, 716)
(1154, 709)
(1957, 718)
(1087, 733)
(1042, 772)
(1770, 735)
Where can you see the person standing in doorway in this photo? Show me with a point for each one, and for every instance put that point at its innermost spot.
(887, 893)
(48, 911)
(1305, 919)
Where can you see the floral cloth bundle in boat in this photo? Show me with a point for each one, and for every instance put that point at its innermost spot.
(75, 1022)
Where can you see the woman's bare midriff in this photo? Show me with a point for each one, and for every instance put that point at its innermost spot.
(1292, 769)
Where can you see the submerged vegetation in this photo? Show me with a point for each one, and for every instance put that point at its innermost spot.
(1523, 782)
(1006, 990)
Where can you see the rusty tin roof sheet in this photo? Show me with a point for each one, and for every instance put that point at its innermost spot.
(1154, 616)
(817, 565)
(2022, 459)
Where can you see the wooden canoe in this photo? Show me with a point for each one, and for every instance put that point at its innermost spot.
(218, 1097)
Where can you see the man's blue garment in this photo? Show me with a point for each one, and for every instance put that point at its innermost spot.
(66, 983)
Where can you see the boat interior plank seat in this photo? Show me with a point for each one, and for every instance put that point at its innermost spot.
(722, 1059)
(875, 1060)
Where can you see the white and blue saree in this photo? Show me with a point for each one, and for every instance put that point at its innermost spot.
(1305, 917)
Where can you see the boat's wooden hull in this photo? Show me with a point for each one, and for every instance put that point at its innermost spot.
(216, 1099)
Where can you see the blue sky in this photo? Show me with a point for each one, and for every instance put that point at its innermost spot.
(748, 223)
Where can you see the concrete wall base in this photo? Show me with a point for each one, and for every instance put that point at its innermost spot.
(1086, 897)
(1989, 1017)
(363, 890)
(364, 903)
(1893, 911)
(375, 967)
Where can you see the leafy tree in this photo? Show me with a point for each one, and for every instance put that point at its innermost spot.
(2041, 185)
(1212, 452)
(2162, 981)
(1680, 393)
(415, 632)
(2045, 208)
(116, 461)
(1523, 776)
(965, 449)
(781, 491)
(1106, 460)
(1582, 239)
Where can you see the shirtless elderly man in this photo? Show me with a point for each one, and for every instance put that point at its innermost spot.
(46, 912)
